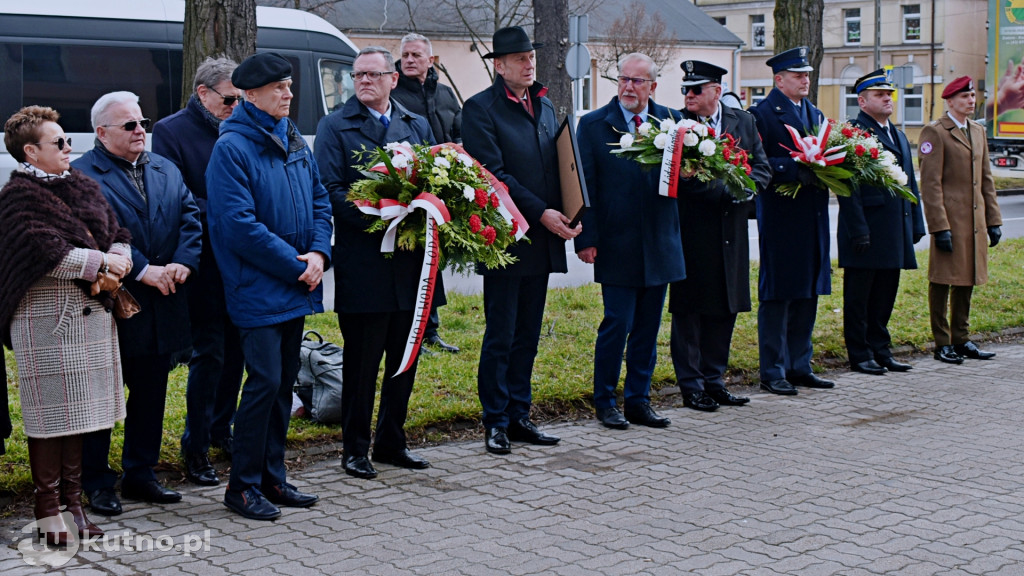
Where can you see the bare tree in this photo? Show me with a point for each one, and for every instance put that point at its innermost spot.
(551, 28)
(214, 27)
(634, 31)
(798, 23)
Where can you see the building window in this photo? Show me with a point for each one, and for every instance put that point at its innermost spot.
(912, 105)
(852, 19)
(850, 107)
(912, 23)
(719, 19)
(757, 31)
(757, 95)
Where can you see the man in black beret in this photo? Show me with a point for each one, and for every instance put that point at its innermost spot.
(274, 234)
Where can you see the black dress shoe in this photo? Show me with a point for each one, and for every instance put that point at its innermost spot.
(868, 367)
(892, 365)
(782, 387)
(700, 401)
(284, 494)
(970, 350)
(358, 466)
(435, 340)
(198, 470)
(642, 414)
(251, 503)
(496, 440)
(612, 418)
(150, 491)
(526, 431)
(724, 398)
(810, 381)
(401, 458)
(948, 355)
(104, 501)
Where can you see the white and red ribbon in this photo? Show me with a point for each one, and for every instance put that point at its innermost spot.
(811, 148)
(437, 215)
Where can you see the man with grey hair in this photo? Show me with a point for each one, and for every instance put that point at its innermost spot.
(631, 236)
(215, 369)
(420, 93)
(149, 196)
(375, 293)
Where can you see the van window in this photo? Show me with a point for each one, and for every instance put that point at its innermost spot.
(338, 85)
(70, 78)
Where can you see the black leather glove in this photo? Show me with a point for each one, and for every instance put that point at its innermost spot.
(944, 241)
(861, 244)
(917, 238)
(994, 234)
(805, 176)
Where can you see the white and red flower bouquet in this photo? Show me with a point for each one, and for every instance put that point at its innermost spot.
(688, 149)
(407, 186)
(844, 157)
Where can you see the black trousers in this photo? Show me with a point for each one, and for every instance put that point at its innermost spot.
(700, 350)
(868, 298)
(957, 301)
(368, 339)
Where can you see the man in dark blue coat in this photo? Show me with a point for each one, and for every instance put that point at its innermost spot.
(876, 236)
(631, 236)
(794, 234)
(215, 369)
(150, 199)
(270, 225)
(375, 293)
(716, 247)
(510, 128)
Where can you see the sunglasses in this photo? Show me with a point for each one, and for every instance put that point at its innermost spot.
(696, 90)
(59, 143)
(228, 100)
(130, 125)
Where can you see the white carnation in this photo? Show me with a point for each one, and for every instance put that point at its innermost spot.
(701, 130)
(661, 140)
(668, 125)
(707, 147)
(687, 123)
(400, 161)
(626, 141)
(644, 129)
(887, 158)
(442, 162)
(466, 160)
(469, 193)
(691, 139)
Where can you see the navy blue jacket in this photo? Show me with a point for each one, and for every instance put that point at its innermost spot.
(635, 230)
(266, 207)
(716, 243)
(793, 232)
(365, 280)
(187, 138)
(165, 230)
(519, 149)
(891, 222)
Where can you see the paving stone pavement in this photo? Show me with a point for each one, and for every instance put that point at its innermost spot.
(918, 473)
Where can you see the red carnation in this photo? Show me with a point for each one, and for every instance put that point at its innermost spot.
(730, 139)
(727, 154)
(481, 198)
(475, 224)
(494, 200)
(489, 235)
(515, 227)
(848, 132)
(874, 153)
(746, 168)
(859, 150)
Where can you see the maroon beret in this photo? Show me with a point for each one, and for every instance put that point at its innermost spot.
(961, 84)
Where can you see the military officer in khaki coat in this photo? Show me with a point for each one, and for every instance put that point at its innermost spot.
(963, 218)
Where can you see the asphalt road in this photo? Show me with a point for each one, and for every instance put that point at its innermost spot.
(1012, 207)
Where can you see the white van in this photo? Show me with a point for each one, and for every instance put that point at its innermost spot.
(67, 53)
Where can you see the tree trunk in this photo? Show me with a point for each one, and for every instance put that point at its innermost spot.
(551, 28)
(798, 23)
(213, 28)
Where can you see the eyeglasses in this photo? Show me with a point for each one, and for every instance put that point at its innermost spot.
(59, 143)
(228, 100)
(634, 81)
(131, 124)
(373, 75)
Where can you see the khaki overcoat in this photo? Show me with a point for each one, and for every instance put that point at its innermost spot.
(958, 195)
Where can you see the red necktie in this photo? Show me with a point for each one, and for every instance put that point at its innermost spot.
(637, 120)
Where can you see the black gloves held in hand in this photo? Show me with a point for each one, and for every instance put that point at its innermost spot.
(994, 234)
(861, 243)
(944, 241)
(805, 176)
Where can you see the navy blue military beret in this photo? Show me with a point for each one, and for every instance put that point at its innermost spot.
(261, 69)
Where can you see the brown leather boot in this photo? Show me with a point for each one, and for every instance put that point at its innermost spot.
(71, 487)
(44, 457)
